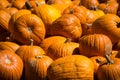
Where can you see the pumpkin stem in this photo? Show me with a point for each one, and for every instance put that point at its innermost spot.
(95, 8)
(50, 2)
(109, 61)
(31, 42)
(98, 60)
(27, 4)
(71, 11)
(118, 13)
(7, 38)
(118, 24)
(37, 3)
(68, 40)
(38, 57)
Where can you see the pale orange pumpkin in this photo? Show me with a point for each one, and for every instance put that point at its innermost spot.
(11, 66)
(48, 14)
(75, 67)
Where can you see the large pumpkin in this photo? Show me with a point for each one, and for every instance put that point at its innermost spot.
(62, 49)
(36, 67)
(109, 25)
(15, 17)
(95, 45)
(48, 14)
(75, 67)
(28, 27)
(11, 66)
(68, 25)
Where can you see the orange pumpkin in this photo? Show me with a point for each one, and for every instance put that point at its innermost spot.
(4, 19)
(36, 67)
(109, 69)
(51, 40)
(109, 25)
(19, 4)
(75, 67)
(29, 26)
(67, 25)
(9, 46)
(62, 49)
(48, 14)
(110, 6)
(15, 17)
(95, 45)
(11, 66)
(4, 4)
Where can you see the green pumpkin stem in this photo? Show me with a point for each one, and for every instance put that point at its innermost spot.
(68, 40)
(109, 61)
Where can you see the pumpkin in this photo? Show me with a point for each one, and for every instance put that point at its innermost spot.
(4, 19)
(29, 26)
(89, 3)
(109, 25)
(11, 66)
(15, 16)
(95, 45)
(28, 51)
(77, 10)
(76, 2)
(19, 4)
(109, 69)
(114, 54)
(11, 10)
(75, 67)
(36, 67)
(4, 4)
(91, 16)
(62, 49)
(48, 14)
(110, 6)
(51, 40)
(11, 46)
(67, 25)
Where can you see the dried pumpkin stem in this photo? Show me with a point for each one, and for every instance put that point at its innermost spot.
(109, 61)
(68, 40)
(37, 3)
(38, 57)
(71, 11)
(31, 42)
(95, 8)
(98, 60)
(50, 2)
(118, 24)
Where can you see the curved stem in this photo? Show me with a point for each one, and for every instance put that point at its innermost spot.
(68, 40)
(31, 42)
(109, 61)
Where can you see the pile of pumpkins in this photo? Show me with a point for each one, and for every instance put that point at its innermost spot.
(59, 39)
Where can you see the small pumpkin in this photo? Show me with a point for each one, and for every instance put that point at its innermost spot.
(11, 66)
(28, 51)
(51, 40)
(4, 4)
(4, 19)
(89, 3)
(9, 46)
(29, 26)
(62, 49)
(109, 69)
(110, 6)
(109, 25)
(19, 4)
(67, 25)
(75, 67)
(95, 45)
(36, 67)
